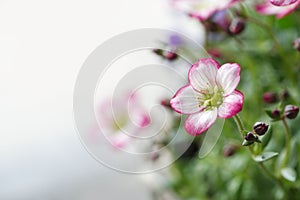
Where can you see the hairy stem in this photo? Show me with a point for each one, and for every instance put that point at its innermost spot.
(287, 142)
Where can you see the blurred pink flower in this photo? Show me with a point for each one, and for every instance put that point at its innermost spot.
(283, 2)
(211, 93)
(121, 119)
(202, 9)
(267, 8)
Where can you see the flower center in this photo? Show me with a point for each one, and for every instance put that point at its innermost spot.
(213, 99)
(119, 123)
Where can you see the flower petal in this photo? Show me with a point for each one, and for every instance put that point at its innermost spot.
(203, 73)
(232, 104)
(203, 9)
(282, 2)
(186, 100)
(280, 11)
(120, 140)
(200, 122)
(228, 77)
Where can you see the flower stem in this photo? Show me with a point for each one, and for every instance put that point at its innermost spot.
(241, 128)
(287, 142)
(239, 123)
(267, 28)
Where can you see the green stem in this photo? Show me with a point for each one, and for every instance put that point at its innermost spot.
(287, 142)
(241, 128)
(239, 123)
(267, 29)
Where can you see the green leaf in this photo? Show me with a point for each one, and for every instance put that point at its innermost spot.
(266, 138)
(269, 113)
(265, 156)
(247, 143)
(289, 174)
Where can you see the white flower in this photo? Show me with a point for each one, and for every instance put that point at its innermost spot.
(211, 93)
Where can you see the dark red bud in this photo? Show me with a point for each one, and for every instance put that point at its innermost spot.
(260, 128)
(284, 95)
(250, 137)
(270, 97)
(276, 114)
(296, 44)
(291, 111)
(230, 150)
(236, 26)
(171, 56)
(154, 156)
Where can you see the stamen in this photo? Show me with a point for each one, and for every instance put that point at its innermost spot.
(213, 99)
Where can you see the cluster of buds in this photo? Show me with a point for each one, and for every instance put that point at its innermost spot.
(289, 112)
(221, 21)
(259, 129)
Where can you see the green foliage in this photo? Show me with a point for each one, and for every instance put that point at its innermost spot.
(269, 63)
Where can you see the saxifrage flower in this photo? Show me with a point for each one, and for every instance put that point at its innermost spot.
(122, 118)
(211, 93)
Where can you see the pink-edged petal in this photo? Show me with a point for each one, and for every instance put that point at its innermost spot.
(232, 104)
(280, 11)
(203, 73)
(137, 116)
(228, 77)
(200, 122)
(202, 16)
(283, 2)
(136, 113)
(186, 101)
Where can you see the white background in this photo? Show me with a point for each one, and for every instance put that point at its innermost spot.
(42, 47)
